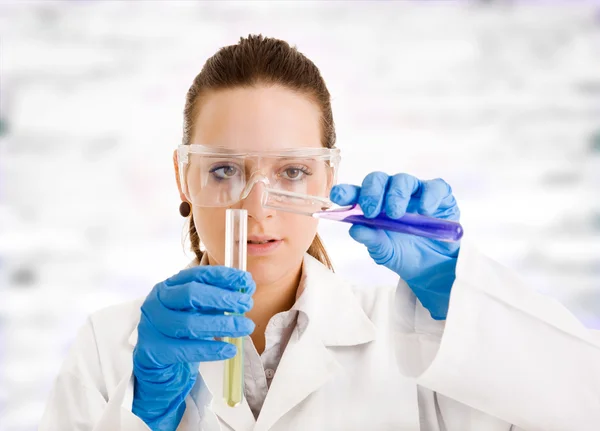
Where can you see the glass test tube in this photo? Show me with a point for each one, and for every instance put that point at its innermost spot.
(235, 257)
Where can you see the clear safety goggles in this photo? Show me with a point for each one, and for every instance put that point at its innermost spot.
(295, 179)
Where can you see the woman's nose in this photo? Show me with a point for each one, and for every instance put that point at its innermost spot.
(253, 203)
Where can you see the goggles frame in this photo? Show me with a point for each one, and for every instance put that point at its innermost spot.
(329, 155)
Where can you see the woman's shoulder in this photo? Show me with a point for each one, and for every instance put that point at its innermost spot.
(116, 322)
(100, 355)
(373, 299)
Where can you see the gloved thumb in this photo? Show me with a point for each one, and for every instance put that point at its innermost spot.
(378, 244)
(344, 194)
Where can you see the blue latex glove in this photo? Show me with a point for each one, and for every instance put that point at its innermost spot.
(428, 266)
(180, 318)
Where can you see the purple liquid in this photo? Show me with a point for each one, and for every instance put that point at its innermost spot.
(415, 224)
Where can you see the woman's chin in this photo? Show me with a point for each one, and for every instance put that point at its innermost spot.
(263, 271)
(267, 271)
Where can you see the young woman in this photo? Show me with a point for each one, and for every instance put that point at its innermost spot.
(459, 344)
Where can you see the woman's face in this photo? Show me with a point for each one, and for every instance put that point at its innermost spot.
(258, 119)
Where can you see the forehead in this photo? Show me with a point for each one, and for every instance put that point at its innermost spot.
(257, 119)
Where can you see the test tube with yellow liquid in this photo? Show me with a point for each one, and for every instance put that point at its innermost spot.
(236, 234)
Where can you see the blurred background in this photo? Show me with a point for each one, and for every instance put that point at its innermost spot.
(499, 98)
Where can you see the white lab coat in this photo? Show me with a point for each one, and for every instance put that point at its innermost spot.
(506, 358)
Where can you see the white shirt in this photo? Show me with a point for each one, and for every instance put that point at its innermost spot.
(259, 370)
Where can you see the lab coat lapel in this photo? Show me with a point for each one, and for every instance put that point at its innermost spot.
(240, 418)
(335, 318)
(306, 365)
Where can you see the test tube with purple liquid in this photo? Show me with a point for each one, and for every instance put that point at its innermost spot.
(415, 224)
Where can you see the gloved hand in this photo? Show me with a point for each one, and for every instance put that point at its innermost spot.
(428, 266)
(180, 318)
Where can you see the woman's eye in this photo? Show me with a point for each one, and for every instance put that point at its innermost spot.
(224, 172)
(295, 173)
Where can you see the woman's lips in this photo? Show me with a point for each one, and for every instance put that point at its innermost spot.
(261, 238)
(262, 249)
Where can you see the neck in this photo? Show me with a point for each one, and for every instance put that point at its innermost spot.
(270, 299)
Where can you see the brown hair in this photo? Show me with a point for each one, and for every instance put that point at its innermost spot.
(258, 60)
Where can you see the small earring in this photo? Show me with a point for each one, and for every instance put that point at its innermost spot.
(185, 209)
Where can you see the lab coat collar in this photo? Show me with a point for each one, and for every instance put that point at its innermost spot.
(335, 318)
(332, 307)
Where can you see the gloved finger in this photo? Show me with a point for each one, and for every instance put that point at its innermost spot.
(400, 190)
(166, 351)
(344, 194)
(200, 350)
(433, 193)
(189, 324)
(378, 244)
(372, 193)
(447, 208)
(222, 276)
(203, 298)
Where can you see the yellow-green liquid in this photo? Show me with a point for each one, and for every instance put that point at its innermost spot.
(235, 257)
(234, 374)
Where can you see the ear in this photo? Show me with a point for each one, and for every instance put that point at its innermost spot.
(177, 178)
